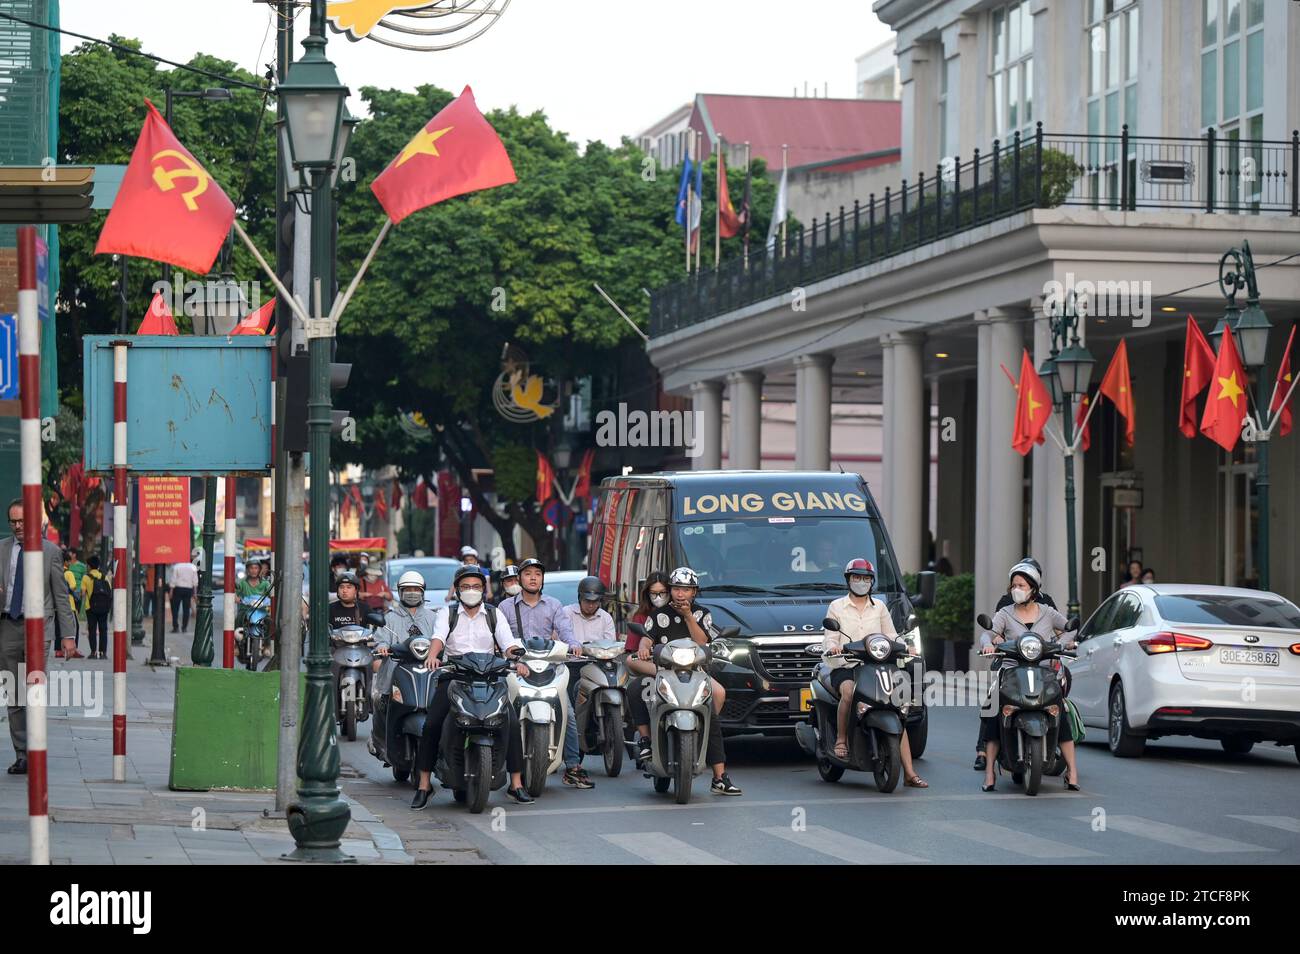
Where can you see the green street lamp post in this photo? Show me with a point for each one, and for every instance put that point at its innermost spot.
(1067, 374)
(1251, 327)
(314, 100)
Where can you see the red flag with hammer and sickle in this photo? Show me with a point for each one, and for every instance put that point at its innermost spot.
(168, 208)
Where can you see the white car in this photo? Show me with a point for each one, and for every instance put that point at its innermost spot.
(1214, 662)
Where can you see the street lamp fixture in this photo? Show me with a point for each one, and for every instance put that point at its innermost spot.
(299, 182)
(1074, 368)
(314, 104)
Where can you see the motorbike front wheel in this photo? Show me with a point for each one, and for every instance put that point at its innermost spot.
(612, 744)
(889, 763)
(1034, 775)
(480, 786)
(251, 661)
(537, 757)
(661, 784)
(350, 720)
(686, 744)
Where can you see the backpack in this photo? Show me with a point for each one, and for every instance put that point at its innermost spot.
(453, 611)
(101, 595)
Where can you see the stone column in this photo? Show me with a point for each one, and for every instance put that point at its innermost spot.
(746, 392)
(885, 494)
(812, 411)
(1004, 472)
(908, 452)
(706, 405)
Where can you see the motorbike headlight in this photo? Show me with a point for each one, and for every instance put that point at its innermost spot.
(1031, 647)
(397, 695)
(538, 666)
(419, 648)
(701, 694)
(665, 692)
(878, 647)
(683, 657)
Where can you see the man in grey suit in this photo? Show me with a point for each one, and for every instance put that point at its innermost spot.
(13, 636)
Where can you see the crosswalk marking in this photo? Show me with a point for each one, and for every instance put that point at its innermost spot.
(525, 849)
(1284, 822)
(1173, 834)
(1011, 839)
(660, 849)
(844, 847)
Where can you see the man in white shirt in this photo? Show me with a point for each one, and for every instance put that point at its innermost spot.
(590, 622)
(860, 615)
(467, 626)
(184, 581)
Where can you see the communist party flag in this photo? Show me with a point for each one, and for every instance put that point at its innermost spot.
(1281, 387)
(168, 208)
(1118, 386)
(257, 322)
(1225, 408)
(1080, 417)
(456, 152)
(545, 479)
(158, 319)
(1198, 366)
(729, 221)
(1033, 408)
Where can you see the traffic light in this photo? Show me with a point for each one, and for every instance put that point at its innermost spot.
(298, 390)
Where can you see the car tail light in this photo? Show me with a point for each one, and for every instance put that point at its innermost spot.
(1295, 649)
(1168, 711)
(1173, 642)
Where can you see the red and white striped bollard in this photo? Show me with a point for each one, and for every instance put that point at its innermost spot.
(228, 634)
(119, 561)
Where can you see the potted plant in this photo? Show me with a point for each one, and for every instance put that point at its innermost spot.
(948, 620)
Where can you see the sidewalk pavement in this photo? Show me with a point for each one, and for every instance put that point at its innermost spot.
(94, 820)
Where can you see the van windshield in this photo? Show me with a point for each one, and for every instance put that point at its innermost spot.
(803, 552)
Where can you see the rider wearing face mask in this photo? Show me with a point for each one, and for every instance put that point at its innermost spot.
(860, 615)
(509, 584)
(409, 615)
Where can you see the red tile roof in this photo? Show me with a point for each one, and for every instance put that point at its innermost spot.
(816, 130)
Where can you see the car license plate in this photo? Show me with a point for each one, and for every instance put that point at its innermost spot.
(1250, 657)
(802, 700)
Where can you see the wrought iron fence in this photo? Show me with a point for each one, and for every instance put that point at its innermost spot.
(1211, 174)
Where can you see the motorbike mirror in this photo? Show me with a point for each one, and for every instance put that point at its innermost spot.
(924, 599)
(729, 632)
(375, 618)
(1072, 624)
(830, 624)
(638, 629)
(984, 621)
(913, 621)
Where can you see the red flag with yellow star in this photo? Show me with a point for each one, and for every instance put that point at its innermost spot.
(168, 208)
(1033, 408)
(1198, 368)
(257, 322)
(1281, 388)
(1081, 422)
(456, 152)
(1225, 408)
(1118, 386)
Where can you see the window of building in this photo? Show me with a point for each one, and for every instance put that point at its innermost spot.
(1112, 34)
(1012, 69)
(1232, 86)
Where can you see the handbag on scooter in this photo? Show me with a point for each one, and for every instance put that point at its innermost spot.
(1077, 730)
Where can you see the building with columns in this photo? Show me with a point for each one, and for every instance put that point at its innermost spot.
(1051, 144)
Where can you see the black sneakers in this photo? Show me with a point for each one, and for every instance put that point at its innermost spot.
(520, 795)
(722, 786)
(420, 800)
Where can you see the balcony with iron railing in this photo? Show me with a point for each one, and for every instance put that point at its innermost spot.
(1101, 172)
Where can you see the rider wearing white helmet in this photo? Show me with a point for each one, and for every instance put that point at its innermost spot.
(409, 615)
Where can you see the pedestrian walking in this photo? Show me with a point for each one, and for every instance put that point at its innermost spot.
(185, 580)
(69, 644)
(13, 636)
(97, 596)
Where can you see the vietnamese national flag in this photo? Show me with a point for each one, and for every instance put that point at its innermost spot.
(582, 487)
(256, 322)
(168, 208)
(420, 496)
(381, 503)
(456, 152)
(397, 495)
(1225, 408)
(1080, 417)
(729, 221)
(545, 479)
(1118, 386)
(158, 319)
(1198, 367)
(1281, 387)
(1033, 408)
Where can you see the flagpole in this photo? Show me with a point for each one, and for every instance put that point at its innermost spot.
(748, 212)
(1295, 379)
(275, 279)
(690, 136)
(785, 212)
(337, 311)
(717, 213)
(699, 149)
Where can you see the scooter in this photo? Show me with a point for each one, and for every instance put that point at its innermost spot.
(602, 703)
(541, 700)
(679, 699)
(350, 660)
(472, 751)
(253, 638)
(1031, 705)
(401, 693)
(878, 715)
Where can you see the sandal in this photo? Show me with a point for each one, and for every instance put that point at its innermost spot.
(841, 750)
(916, 782)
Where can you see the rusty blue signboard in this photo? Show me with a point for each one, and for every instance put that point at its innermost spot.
(194, 405)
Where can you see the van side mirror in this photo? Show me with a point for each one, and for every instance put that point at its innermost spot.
(924, 599)
(984, 621)
(831, 625)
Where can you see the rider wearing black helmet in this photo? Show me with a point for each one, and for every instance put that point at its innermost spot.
(590, 622)
(346, 609)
